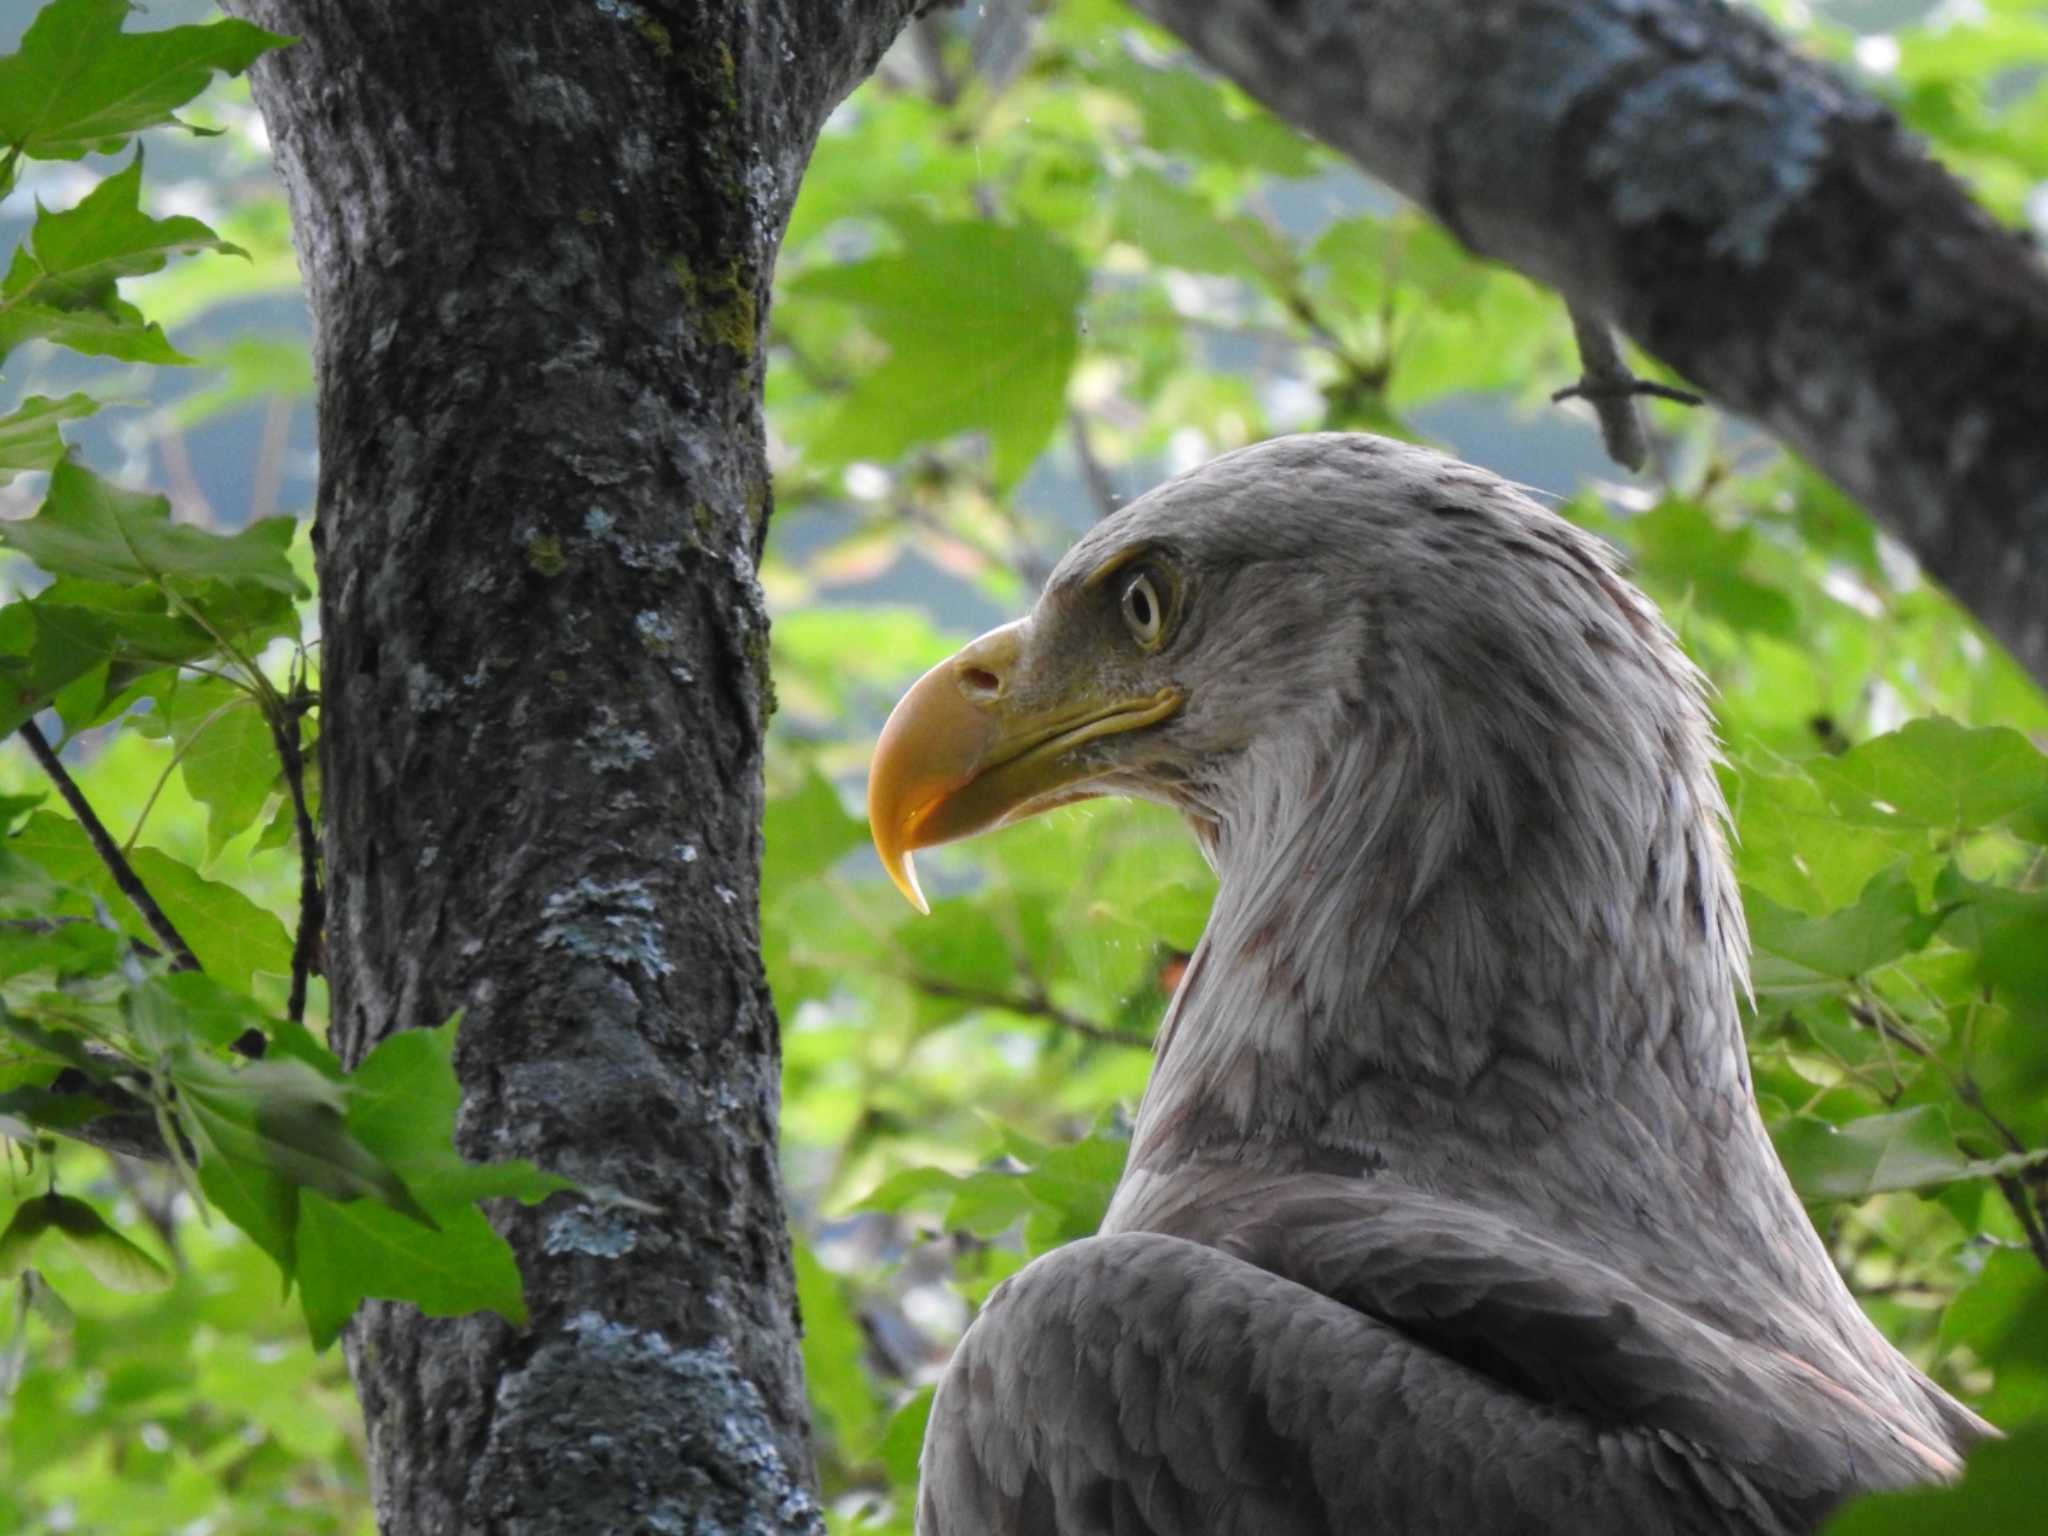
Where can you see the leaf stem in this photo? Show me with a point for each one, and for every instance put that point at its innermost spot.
(125, 878)
(177, 757)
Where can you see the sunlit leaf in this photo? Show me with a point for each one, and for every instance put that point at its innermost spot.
(2007, 931)
(804, 833)
(287, 1118)
(29, 438)
(834, 1367)
(107, 1256)
(996, 362)
(347, 1253)
(231, 935)
(74, 257)
(46, 1110)
(1886, 922)
(25, 1229)
(402, 1102)
(79, 84)
(1793, 847)
(91, 528)
(114, 329)
(43, 649)
(2000, 1491)
(192, 1005)
(2002, 1317)
(1179, 228)
(227, 756)
(1680, 543)
(66, 948)
(1210, 122)
(904, 1438)
(82, 646)
(1912, 1149)
(1935, 773)
(1065, 1189)
(254, 370)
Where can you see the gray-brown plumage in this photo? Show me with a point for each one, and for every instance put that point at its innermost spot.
(1448, 1209)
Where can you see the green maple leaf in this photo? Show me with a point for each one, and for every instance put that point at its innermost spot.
(80, 85)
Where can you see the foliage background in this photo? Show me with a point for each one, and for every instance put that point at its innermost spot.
(1040, 261)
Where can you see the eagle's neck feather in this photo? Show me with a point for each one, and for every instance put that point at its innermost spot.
(1457, 946)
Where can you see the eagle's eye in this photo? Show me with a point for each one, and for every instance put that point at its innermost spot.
(1144, 613)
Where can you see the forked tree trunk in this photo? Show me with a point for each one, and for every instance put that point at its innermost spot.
(537, 241)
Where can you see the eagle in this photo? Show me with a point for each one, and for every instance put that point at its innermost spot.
(1448, 1208)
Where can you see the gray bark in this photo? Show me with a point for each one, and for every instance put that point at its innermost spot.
(537, 243)
(1747, 217)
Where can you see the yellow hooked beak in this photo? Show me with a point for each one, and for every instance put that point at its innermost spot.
(967, 750)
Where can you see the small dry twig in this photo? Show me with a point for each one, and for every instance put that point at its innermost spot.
(312, 899)
(1608, 385)
(125, 878)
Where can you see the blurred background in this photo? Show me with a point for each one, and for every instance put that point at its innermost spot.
(1041, 261)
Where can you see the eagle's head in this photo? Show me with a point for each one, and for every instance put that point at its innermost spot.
(1248, 639)
(1476, 919)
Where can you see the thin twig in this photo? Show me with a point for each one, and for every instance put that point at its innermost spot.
(928, 38)
(177, 757)
(2025, 1204)
(1033, 1005)
(1608, 385)
(157, 1201)
(271, 447)
(814, 373)
(125, 878)
(46, 924)
(1368, 373)
(186, 493)
(312, 899)
(2025, 1201)
(2022, 1205)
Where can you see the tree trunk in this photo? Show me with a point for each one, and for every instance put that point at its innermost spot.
(1754, 222)
(537, 242)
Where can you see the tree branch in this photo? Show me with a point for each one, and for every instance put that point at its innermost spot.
(125, 878)
(1736, 208)
(2025, 1202)
(2022, 1205)
(1032, 1004)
